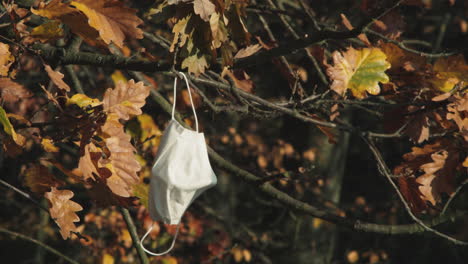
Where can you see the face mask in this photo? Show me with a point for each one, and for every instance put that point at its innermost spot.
(181, 172)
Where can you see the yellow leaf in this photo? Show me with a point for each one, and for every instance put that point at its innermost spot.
(83, 101)
(169, 260)
(107, 259)
(48, 145)
(204, 8)
(6, 59)
(449, 72)
(8, 128)
(111, 19)
(118, 76)
(359, 71)
(126, 99)
(47, 31)
(62, 210)
(195, 64)
(179, 33)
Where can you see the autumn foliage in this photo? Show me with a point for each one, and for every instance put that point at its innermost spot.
(323, 121)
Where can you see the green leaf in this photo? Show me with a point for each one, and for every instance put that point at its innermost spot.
(359, 71)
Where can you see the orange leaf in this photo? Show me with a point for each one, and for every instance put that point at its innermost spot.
(122, 161)
(111, 19)
(63, 210)
(126, 99)
(57, 78)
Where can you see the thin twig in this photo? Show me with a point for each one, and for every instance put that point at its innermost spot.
(39, 243)
(455, 194)
(133, 233)
(386, 171)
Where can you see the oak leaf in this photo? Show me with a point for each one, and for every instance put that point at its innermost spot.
(57, 78)
(39, 179)
(180, 36)
(126, 99)
(359, 71)
(88, 162)
(218, 31)
(410, 190)
(63, 210)
(204, 8)
(122, 161)
(430, 169)
(112, 19)
(247, 51)
(195, 64)
(6, 59)
(449, 72)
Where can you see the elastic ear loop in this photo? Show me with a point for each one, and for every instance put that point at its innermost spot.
(190, 96)
(162, 253)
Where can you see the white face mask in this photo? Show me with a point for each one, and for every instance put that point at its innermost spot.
(181, 172)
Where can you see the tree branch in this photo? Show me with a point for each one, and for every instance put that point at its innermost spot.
(39, 243)
(65, 57)
(291, 202)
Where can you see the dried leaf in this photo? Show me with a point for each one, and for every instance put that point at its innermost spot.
(47, 31)
(39, 179)
(240, 78)
(112, 19)
(410, 190)
(11, 91)
(83, 101)
(179, 33)
(195, 64)
(218, 31)
(6, 59)
(418, 128)
(126, 99)
(359, 71)
(362, 37)
(430, 169)
(49, 146)
(57, 78)
(449, 72)
(247, 51)
(88, 162)
(63, 210)
(204, 8)
(122, 161)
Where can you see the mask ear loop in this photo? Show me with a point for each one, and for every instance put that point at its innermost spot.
(190, 96)
(162, 253)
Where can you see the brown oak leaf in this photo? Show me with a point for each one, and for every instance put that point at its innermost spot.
(39, 179)
(410, 190)
(62, 210)
(57, 78)
(430, 169)
(111, 19)
(204, 8)
(126, 99)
